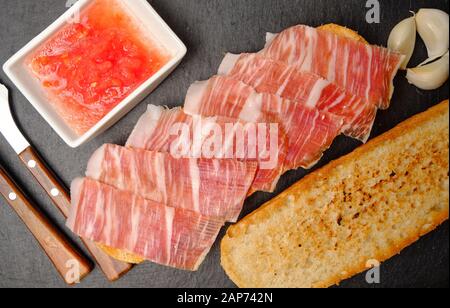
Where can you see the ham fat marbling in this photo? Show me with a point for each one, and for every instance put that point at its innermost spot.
(210, 187)
(159, 129)
(365, 70)
(165, 235)
(309, 131)
(309, 89)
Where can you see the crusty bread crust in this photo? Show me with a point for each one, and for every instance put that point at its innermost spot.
(343, 31)
(121, 255)
(232, 242)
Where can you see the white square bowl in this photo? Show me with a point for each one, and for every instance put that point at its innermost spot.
(30, 87)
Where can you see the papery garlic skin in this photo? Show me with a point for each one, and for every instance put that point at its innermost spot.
(403, 39)
(430, 76)
(433, 28)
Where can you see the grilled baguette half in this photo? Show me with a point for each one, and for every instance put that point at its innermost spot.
(368, 205)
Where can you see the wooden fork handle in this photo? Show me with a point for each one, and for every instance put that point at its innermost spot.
(69, 263)
(112, 268)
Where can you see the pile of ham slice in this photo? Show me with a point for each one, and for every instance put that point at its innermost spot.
(169, 208)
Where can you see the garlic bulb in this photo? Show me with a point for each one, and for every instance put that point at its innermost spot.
(430, 76)
(403, 39)
(433, 28)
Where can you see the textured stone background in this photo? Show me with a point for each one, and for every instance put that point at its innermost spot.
(210, 28)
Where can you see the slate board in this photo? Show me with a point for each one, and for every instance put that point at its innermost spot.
(210, 28)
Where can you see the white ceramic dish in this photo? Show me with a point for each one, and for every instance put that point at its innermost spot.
(151, 22)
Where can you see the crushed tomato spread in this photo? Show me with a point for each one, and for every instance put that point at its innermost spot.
(90, 66)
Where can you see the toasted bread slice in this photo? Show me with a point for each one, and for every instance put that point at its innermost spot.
(121, 255)
(368, 205)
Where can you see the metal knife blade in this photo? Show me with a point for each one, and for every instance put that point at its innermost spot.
(8, 127)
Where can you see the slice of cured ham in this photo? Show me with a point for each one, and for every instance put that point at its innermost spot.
(365, 70)
(309, 131)
(160, 129)
(278, 78)
(211, 187)
(169, 236)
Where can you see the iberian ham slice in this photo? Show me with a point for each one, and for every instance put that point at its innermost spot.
(169, 236)
(365, 70)
(309, 131)
(163, 130)
(211, 187)
(275, 77)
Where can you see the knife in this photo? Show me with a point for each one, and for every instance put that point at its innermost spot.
(112, 268)
(68, 262)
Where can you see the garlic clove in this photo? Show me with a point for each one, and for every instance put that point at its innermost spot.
(403, 39)
(433, 28)
(430, 76)
(429, 60)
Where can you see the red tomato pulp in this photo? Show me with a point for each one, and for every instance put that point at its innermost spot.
(90, 66)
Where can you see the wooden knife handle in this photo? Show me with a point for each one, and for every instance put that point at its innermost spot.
(47, 180)
(69, 263)
(112, 268)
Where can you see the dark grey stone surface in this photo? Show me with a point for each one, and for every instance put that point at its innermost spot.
(210, 28)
